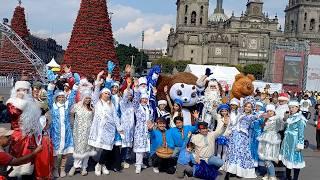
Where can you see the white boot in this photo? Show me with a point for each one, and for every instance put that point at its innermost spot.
(156, 170)
(105, 171)
(138, 169)
(97, 169)
(266, 177)
(84, 172)
(72, 171)
(125, 165)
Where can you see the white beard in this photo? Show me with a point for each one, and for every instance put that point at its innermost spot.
(211, 95)
(30, 116)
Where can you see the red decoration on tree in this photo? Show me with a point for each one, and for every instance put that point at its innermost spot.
(12, 61)
(91, 44)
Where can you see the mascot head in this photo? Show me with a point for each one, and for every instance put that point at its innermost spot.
(242, 86)
(180, 86)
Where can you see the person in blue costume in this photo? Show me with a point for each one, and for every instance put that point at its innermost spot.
(222, 140)
(239, 160)
(255, 132)
(293, 143)
(179, 134)
(152, 80)
(158, 139)
(60, 128)
(116, 99)
(186, 159)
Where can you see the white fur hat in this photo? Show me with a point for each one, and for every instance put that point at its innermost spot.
(294, 103)
(270, 107)
(17, 102)
(22, 85)
(164, 102)
(144, 95)
(234, 101)
(142, 80)
(104, 90)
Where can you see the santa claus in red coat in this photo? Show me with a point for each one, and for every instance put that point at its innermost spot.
(24, 116)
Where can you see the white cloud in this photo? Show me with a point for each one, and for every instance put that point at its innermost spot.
(61, 38)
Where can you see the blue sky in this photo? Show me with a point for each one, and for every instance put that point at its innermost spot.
(55, 18)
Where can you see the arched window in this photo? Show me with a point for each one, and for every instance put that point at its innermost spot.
(193, 18)
(201, 10)
(304, 27)
(185, 20)
(186, 9)
(201, 21)
(312, 24)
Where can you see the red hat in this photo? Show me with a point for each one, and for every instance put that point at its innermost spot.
(283, 97)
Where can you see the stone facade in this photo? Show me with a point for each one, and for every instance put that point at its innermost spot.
(302, 20)
(46, 49)
(217, 39)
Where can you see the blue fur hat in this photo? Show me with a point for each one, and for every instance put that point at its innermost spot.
(223, 107)
(251, 100)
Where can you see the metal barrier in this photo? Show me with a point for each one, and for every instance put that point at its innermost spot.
(6, 81)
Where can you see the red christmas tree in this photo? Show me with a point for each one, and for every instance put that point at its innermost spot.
(91, 43)
(12, 61)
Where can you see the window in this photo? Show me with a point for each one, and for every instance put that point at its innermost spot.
(305, 16)
(292, 26)
(201, 10)
(312, 24)
(304, 27)
(186, 9)
(193, 18)
(201, 21)
(191, 59)
(185, 20)
(191, 51)
(319, 28)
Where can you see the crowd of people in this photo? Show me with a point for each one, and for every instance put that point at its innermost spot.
(109, 120)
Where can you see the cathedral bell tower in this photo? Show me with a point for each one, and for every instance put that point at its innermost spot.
(192, 13)
(254, 8)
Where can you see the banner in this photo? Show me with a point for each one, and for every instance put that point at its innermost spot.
(292, 70)
(313, 73)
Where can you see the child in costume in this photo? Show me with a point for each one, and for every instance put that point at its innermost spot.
(127, 122)
(143, 113)
(293, 142)
(175, 109)
(269, 141)
(255, 132)
(186, 159)
(239, 160)
(222, 141)
(162, 112)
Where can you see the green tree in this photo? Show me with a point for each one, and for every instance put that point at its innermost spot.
(255, 69)
(124, 54)
(166, 64)
(181, 65)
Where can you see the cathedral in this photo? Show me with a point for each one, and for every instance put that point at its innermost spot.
(205, 38)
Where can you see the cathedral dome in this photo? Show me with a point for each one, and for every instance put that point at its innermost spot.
(218, 14)
(216, 17)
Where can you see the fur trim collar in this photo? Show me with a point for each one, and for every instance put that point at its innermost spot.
(18, 103)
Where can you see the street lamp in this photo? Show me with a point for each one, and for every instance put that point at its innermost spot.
(141, 58)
